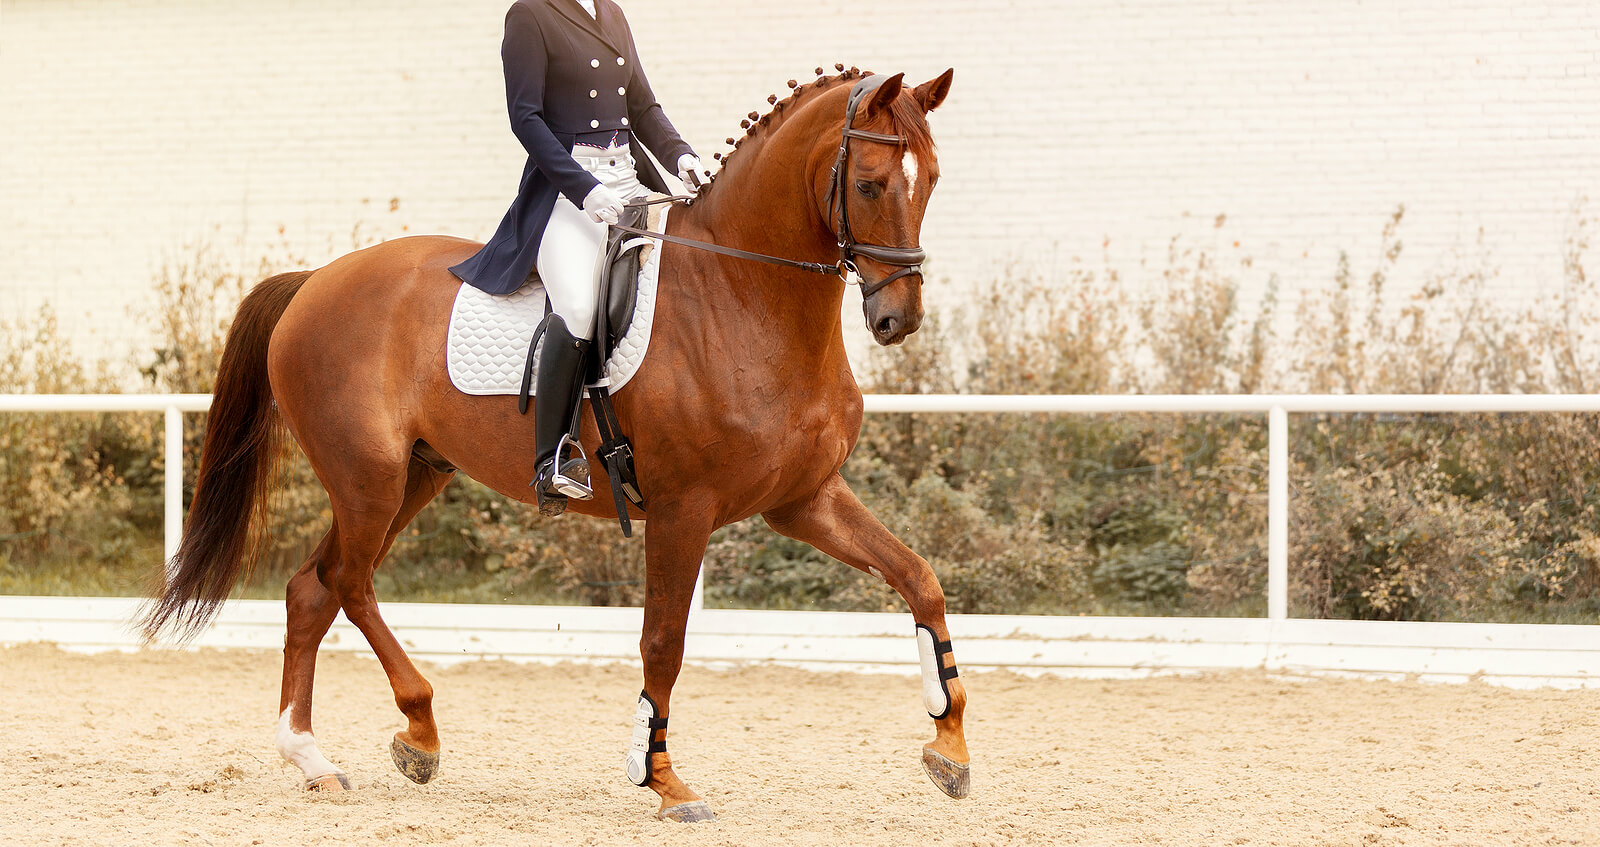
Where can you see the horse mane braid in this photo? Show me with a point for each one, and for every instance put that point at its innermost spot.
(908, 120)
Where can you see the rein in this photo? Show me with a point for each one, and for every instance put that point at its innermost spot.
(809, 267)
(908, 259)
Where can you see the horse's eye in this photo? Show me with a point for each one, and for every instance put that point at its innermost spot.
(869, 190)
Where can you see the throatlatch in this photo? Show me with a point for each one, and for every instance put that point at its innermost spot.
(644, 746)
(935, 676)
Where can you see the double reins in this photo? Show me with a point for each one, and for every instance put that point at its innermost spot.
(908, 259)
(809, 267)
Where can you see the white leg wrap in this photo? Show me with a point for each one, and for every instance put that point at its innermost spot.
(645, 724)
(935, 696)
(300, 748)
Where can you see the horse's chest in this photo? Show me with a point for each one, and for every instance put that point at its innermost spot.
(807, 437)
(760, 436)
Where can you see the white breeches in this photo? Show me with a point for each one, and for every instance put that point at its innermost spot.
(573, 246)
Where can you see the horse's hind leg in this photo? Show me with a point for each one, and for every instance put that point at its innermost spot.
(312, 607)
(363, 545)
(836, 523)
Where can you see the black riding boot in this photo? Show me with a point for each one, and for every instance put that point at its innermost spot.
(560, 387)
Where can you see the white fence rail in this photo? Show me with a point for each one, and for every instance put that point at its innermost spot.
(1511, 654)
(172, 405)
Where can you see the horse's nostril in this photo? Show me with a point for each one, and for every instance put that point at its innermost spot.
(886, 326)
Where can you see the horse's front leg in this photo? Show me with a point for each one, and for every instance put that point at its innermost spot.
(836, 523)
(675, 542)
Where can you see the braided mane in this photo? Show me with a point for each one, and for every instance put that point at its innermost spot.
(907, 118)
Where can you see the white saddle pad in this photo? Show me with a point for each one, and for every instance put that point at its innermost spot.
(489, 333)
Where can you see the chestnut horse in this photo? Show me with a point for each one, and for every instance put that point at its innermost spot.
(745, 405)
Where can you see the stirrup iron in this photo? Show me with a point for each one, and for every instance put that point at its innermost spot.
(570, 486)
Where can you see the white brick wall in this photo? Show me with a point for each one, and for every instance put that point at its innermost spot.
(128, 128)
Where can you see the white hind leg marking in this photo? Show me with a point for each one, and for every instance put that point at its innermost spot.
(300, 748)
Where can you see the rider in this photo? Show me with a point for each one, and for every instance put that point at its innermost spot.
(577, 98)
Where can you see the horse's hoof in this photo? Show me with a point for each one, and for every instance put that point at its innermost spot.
(418, 766)
(953, 778)
(694, 812)
(333, 783)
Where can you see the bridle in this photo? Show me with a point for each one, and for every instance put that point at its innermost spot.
(908, 259)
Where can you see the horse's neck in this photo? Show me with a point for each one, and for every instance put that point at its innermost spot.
(744, 299)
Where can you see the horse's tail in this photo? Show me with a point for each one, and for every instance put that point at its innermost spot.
(222, 537)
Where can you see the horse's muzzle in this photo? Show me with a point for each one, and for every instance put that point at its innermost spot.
(891, 326)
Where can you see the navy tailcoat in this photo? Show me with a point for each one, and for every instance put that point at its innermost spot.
(566, 74)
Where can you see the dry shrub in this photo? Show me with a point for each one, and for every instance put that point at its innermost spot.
(981, 563)
(1423, 517)
(572, 559)
(196, 292)
(1391, 545)
(1195, 332)
(64, 498)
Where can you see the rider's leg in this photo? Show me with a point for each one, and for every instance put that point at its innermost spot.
(568, 263)
(568, 254)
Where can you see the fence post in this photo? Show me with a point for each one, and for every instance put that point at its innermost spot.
(174, 482)
(697, 601)
(1277, 514)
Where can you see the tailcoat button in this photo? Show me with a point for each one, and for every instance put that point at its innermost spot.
(621, 90)
(593, 94)
(621, 61)
(594, 124)
(624, 121)
(594, 63)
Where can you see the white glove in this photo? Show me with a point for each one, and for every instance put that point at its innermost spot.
(693, 175)
(603, 205)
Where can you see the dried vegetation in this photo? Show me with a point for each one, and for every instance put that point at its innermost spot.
(1447, 517)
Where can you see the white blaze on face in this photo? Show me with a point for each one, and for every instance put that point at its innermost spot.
(301, 749)
(909, 163)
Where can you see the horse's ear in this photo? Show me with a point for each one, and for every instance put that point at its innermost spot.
(885, 94)
(931, 93)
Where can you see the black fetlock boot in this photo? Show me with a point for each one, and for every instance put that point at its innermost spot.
(556, 397)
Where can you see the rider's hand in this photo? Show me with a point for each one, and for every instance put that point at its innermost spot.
(693, 175)
(603, 205)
